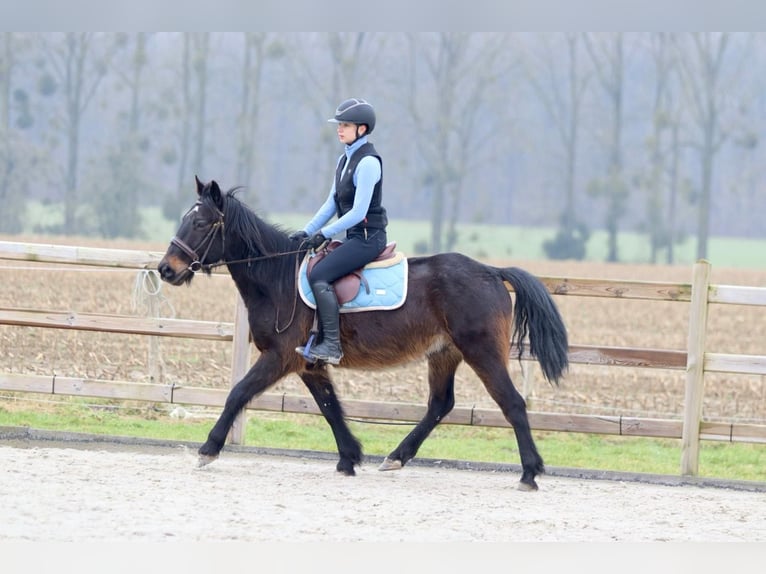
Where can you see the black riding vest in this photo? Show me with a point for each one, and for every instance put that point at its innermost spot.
(345, 190)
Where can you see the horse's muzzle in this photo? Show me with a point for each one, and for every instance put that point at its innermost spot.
(170, 275)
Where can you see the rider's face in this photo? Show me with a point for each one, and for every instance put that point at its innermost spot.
(347, 132)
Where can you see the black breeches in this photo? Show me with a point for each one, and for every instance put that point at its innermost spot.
(354, 254)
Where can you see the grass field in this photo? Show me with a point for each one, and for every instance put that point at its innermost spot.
(447, 442)
(482, 241)
(526, 243)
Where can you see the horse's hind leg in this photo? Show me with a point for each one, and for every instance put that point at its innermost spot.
(441, 381)
(350, 450)
(493, 371)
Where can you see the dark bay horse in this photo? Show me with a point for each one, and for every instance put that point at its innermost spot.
(457, 309)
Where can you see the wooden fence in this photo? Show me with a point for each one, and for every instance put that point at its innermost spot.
(695, 360)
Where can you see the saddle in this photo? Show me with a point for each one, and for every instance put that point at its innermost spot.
(347, 287)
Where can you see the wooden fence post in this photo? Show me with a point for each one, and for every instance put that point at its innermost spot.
(695, 368)
(240, 363)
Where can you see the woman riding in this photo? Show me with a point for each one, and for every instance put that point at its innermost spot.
(355, 198)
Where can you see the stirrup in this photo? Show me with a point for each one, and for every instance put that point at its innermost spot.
(306, 349)
(307, 358)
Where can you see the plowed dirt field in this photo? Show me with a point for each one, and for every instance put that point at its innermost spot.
(586, 389)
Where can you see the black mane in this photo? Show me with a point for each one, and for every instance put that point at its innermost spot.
(249, 236)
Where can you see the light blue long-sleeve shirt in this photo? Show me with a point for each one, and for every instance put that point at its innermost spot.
(366, 175)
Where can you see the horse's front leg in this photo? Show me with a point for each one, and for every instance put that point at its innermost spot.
(266, 371)
(350, 450)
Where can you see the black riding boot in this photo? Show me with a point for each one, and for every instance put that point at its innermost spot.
(329, 318)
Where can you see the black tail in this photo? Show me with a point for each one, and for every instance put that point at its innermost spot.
(536, 316)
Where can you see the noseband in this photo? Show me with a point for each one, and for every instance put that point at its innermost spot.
(206, 243)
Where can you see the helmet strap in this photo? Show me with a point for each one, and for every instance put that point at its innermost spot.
(356, 131)
(356, 134)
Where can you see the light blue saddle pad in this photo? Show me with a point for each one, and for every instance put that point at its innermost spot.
(387, 281)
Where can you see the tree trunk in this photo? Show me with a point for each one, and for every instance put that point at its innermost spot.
(252, 70)
(77, 49)
(185, 120)
(673, 200)
(201, 56)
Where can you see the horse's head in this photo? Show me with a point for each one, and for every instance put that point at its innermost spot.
(199, 240)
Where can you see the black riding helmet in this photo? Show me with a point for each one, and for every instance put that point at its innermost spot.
(355, 111)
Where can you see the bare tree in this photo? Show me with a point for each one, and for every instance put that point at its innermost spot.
(7, 63)
(561, 90)
(10, 215)
(200, 64)
(121, 165)
(258, 47)
(607, 53)
(452, 77)
(252, 74)
(709, 67)
(663, 180)
(191, 112)
(78, 61)
(658, 228)
(25, 165)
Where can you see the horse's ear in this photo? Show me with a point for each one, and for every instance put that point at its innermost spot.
(215, 194)
(200, 185)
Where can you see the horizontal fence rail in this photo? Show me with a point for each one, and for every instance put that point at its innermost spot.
(376, 410)
(126, 324)
(694, 360)
(74, 255)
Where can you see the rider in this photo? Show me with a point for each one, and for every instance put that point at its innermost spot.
(355, 198)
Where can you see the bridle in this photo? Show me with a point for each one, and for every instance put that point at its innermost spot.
(206, 243)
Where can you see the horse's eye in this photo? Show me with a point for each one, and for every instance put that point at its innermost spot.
(199, 223)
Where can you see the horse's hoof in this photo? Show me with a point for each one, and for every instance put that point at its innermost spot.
(204, 460)
(345, 467)
(526, 487)
(389, 464)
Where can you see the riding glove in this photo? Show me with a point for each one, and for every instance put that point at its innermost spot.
(316, 240)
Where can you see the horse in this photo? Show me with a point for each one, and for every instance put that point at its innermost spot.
(457, 309)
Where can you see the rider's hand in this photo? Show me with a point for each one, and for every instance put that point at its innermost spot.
(316, 240)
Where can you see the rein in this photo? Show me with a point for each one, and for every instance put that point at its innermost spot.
(196, 261)
(207, 241)
(249, 259)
